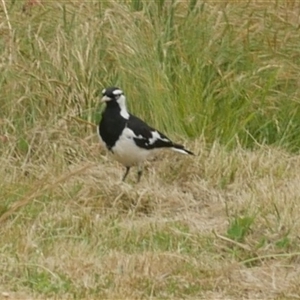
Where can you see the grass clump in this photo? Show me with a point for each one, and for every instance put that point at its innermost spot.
(226, 77)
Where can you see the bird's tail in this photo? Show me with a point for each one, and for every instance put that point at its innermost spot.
(181, 149)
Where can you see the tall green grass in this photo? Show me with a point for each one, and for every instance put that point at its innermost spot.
(225, 71)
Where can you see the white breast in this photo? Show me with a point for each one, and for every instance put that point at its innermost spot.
(127, 152)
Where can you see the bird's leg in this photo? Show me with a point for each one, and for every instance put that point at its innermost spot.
(126, 173)
(139, 173)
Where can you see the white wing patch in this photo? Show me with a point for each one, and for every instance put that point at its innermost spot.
(156, 136)
(128, 133)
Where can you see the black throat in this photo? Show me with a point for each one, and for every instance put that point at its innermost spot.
(112, 124)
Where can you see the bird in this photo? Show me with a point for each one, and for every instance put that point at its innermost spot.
(127, 137)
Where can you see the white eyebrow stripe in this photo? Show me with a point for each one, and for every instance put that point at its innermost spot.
(117, 92)
(103, 91)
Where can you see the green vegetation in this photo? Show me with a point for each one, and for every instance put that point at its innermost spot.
(223, 78)
(227, 71)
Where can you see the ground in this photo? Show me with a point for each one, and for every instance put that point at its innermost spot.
(218, 225)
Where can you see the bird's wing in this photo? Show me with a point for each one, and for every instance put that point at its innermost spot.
(145, 136)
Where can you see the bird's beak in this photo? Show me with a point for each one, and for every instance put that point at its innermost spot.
(105, 99)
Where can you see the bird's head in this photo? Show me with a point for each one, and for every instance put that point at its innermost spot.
(113, 94)
(113, 97)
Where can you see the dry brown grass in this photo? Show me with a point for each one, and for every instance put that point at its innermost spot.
(76, 231)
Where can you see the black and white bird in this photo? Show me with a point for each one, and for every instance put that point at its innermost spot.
(128, 138)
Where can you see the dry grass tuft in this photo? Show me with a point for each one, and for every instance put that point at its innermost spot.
(179, 233)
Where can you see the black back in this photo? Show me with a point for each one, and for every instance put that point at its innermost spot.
(144, 132)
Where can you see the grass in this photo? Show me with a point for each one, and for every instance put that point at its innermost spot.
(223, 224)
